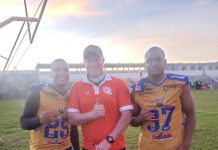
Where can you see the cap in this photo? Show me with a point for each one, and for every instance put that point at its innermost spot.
(92, 49)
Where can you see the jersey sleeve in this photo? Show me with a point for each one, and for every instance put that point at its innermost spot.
(73, 103)
(187, 82)
(28, 119)
(124, 100)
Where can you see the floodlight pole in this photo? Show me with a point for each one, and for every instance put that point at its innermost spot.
(28, 25)
(3, 57)
(24, 19)
(11, 19)
(14, 46)
(39, 19)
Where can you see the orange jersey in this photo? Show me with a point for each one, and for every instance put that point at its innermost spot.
(165, 131)
(114, 95)
(55, 135)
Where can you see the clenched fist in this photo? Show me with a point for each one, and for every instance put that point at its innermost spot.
(98, 111)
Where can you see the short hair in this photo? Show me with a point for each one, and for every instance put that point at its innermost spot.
(94, 49)
(155, 48)
(56, 60)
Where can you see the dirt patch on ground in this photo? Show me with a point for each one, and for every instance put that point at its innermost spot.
(3, 141)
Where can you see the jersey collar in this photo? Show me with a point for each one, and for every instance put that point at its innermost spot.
(106, 78)
(58, 91)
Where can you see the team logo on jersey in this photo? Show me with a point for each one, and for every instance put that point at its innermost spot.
(172, 86)
(159, 101)
(107, 90)
(63, 111)
(55, 141)
(162, 136)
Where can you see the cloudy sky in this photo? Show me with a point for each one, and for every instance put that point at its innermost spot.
(187, 30)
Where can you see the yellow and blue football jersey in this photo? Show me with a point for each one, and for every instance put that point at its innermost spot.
(55, 135)
(165, 130)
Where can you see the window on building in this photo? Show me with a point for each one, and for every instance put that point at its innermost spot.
(192, 68)
(199, 68)
(184, 68)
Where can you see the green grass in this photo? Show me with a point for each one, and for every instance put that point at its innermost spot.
(205, 136)
(11, 135)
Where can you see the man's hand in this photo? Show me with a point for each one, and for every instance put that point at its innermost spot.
(77, 118)
(98, 111)
(47, 117)
(103, 145)
(145, 115)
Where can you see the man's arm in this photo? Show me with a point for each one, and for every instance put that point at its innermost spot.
(135, 122)
(122, 124)
(139, 115)
(124, 100)
(189, 110)
(28, 120)
(77, 118)
(136, 119)
(74, 137)
(136, 109)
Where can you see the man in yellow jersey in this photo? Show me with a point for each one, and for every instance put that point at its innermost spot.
(45, 113)
(163, 106)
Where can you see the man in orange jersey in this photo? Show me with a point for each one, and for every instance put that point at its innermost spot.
(163, 106)
(45, 113)
(101, 104)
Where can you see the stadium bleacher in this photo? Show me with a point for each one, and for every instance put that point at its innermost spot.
(15, 84)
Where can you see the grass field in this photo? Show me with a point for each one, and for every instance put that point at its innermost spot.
(205, 136)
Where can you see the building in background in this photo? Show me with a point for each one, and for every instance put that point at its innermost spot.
(15, 84)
